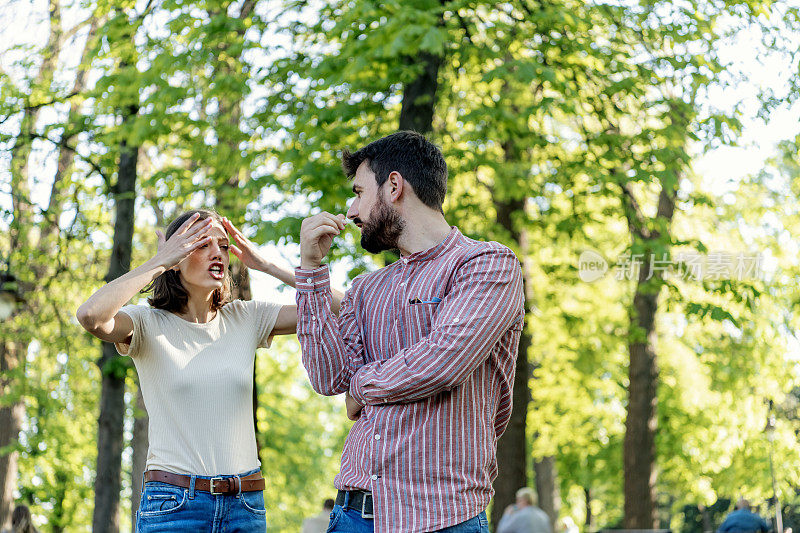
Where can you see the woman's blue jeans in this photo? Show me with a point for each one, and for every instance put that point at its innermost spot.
(165, 508)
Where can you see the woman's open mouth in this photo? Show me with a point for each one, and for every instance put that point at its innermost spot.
(217, 270)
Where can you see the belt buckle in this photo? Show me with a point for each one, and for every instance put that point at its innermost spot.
(364, 513)
(211, 485)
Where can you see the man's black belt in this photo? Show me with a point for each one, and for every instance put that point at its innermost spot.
(358, 500)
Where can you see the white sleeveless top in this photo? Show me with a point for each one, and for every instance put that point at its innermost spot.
(197, 384)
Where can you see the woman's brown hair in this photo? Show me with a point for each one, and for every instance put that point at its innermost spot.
(169, 293)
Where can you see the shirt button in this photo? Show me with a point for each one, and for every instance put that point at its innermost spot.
(377, 437)
(374, 477)
(402, 283)
(455, 320)
(308, 280)
(313, 317)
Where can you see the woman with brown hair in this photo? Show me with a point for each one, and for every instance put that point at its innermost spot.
(194, 352)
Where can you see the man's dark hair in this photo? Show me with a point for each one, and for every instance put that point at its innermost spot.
(418, 160)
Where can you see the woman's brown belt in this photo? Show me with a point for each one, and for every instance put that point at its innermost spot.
(215, 485)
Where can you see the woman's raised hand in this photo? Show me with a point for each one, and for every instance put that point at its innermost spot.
(244, 248)
(189, 237)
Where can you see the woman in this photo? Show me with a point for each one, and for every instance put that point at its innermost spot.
(194, 353)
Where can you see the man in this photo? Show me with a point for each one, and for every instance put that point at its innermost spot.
(425, 347)
(524, 517)
(742, 520)
(319, 523)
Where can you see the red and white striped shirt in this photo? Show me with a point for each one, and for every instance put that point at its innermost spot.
(428, 345)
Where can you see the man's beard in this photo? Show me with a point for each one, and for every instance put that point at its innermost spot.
(382, 230)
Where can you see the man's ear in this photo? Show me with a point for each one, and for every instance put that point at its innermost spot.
(395, 183)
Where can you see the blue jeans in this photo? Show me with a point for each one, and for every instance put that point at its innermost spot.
(165, 508)
(350, 521)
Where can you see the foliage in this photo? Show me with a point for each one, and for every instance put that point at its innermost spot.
(564, 109)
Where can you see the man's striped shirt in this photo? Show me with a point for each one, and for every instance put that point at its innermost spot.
(428, 345)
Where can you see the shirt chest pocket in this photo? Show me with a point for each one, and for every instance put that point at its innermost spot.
(419, 320)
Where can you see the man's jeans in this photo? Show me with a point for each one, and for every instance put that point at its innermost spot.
(167, 508)
(350, 521)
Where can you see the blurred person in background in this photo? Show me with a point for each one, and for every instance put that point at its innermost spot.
(21, 520)
(743, 520)
(524, 516)
(319, 523)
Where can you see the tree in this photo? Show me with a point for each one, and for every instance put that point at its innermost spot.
(121, 88)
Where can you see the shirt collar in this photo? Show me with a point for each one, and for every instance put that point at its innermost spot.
(432, 253)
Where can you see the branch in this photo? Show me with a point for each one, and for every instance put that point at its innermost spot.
(59, 100)
(76, 28)
(34, 107)
(636, 219)
(146, 11)
(63, 143)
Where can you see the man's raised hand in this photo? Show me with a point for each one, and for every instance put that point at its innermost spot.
(316, 236)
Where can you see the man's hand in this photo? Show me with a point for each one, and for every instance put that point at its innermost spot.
(353, 407)
(316, 236)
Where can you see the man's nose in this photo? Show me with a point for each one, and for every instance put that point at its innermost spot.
(352, 211)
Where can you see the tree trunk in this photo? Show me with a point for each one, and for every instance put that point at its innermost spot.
(640, 425)
(706, 519)
(139, 445)
(10, 425)
(639, 446)
(512, 454)
(419, 96)
(110, 441)
(512, 448)
(588, 524)
(547, 487)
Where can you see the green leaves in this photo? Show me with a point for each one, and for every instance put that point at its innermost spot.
(567, 117)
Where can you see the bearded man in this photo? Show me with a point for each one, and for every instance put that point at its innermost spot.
(425, 348)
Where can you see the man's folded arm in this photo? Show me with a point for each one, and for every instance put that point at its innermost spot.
(485, 300)
(331, 346)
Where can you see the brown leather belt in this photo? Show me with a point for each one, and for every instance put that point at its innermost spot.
(215, 485)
